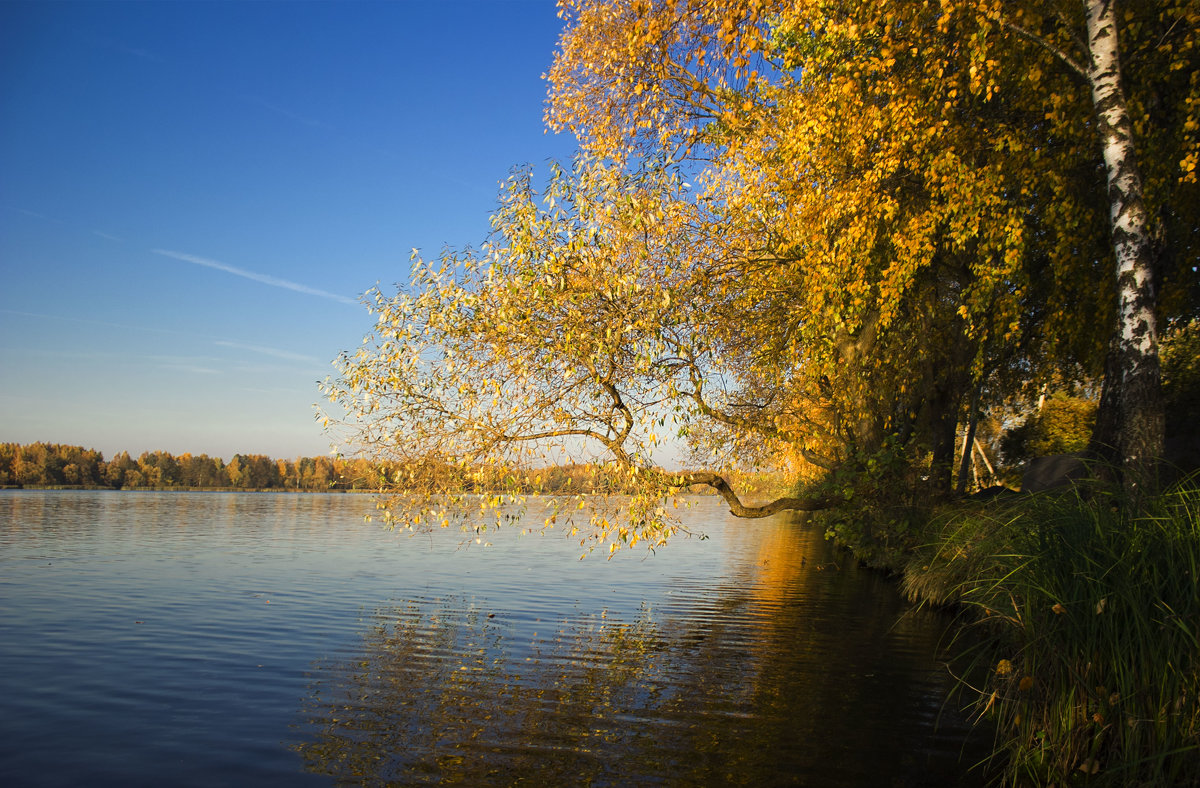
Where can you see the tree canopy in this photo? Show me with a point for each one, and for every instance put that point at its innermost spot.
(817, 233)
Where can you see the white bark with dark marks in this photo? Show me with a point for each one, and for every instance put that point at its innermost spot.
(1140, 431)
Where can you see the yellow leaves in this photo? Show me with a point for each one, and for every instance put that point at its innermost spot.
(857, 191)
(1188, 167)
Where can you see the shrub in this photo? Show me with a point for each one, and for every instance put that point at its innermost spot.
(1063, 425)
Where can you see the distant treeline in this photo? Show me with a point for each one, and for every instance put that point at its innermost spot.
(56, 465)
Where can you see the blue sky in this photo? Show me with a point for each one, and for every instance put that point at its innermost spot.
(193, 195)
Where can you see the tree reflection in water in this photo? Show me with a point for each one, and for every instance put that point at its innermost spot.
(797, 672)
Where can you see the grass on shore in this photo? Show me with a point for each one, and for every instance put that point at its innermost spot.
(1085, 631)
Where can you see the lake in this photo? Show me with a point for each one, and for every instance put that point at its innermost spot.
(278, 639)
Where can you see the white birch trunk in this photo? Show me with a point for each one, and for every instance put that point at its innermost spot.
(1140, 430)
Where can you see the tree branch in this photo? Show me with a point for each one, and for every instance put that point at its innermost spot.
(1046, 45)
(739, 509)
(732, 420)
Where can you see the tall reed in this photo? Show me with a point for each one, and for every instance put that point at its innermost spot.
(1090, 615)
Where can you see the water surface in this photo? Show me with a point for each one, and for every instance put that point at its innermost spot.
(217, 639)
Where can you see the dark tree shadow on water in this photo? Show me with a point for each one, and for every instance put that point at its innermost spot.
(744, 685)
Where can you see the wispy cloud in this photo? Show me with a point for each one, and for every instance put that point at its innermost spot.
(108, 237)
(263, 278)
(119, 46)
(34, 214)
(142, 53)
(270, 351)
(278, 110)
(196, 365)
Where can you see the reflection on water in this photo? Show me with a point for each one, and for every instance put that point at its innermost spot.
(242, 639)
(793, 668)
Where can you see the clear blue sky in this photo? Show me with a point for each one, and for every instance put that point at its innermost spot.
(192, 195)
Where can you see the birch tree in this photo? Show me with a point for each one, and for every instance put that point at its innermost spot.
(1139, 401)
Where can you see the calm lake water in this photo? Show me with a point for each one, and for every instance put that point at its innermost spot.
(262, 639)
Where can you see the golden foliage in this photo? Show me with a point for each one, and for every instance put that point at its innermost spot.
(796, 229)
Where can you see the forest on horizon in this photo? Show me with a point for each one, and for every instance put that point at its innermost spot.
(62, 465)
(53, 465)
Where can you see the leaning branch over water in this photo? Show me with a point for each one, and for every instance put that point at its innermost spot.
(739, 509)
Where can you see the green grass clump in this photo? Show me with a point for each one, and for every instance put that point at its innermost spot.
(1089, 660)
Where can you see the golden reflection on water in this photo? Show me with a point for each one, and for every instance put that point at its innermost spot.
(783, 556)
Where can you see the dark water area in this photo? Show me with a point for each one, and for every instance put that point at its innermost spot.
(274, 639)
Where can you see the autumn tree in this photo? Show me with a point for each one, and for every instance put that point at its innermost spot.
(917, 134)
(116, 472)
(576, 332)
(808, 230)
(50, 463)
(876, 229)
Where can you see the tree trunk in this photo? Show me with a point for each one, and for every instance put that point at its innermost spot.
(968, 445)
(1139, 436)
(945, 429)
(1107, 429)
(964, 462)
(986, 463)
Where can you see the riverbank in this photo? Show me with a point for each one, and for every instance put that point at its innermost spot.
(1081, 630)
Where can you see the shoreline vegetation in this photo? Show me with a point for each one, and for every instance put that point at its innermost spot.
(1079, 629)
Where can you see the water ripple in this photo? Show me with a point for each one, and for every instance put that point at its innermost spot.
(203, 639)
